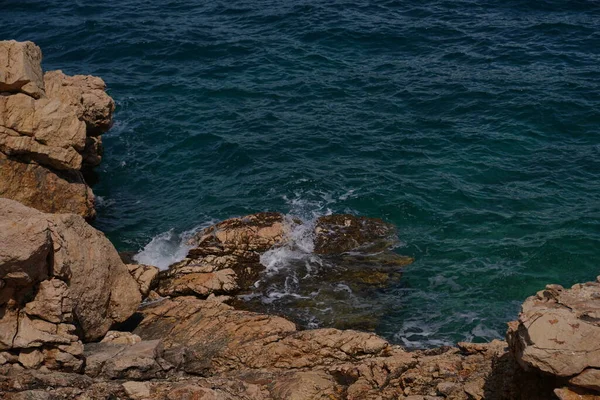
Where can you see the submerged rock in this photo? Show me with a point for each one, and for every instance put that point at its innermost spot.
(341, 233)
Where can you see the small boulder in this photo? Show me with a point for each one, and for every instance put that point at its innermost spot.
(558, 330)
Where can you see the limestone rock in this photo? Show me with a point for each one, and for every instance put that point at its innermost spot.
(224, 257)
(25, 245)
(46, 190)
(589, 379)
(20, 68)
(144, 275)
(37, 246)
(209, 335)
(306, 385)
(101, 287)
(558, 330)
(116, 337)
(43, 130)
(138, 361)
(86, 94)
(52, 302)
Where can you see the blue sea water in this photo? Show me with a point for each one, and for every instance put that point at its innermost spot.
(472, 125)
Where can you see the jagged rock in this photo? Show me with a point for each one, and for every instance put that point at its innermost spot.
(206, 335)
(558, 330)
(20, 68)
(339, 233)
(52, 302)
(224, 257)
(101, 287)
(55, 267)
(144, 275)
(139, 361)
(43, 130)
(116, 337)
(86, 94)
(46, 190)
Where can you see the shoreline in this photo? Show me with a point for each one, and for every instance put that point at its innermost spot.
(74, 324)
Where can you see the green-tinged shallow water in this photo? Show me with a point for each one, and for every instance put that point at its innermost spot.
(474, 126)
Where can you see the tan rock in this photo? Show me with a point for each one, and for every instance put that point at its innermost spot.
(101, 287)
(575, 394)
(44, 189)
(20, 68)
(139, 361)
(557, 330)
(137, 390)
(144, 275)
(306, 385)
(589, 379)
(117, 337)
(86, 94)
(201, 284)
(52, 302)
(228, 254)
(26, 245)
(42, 130)
(31, 358)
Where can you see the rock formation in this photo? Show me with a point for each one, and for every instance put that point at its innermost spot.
(60, 281)
(558, 333)
(72, 327)
(49, 130)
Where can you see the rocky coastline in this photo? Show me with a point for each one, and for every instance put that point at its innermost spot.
(79, 321)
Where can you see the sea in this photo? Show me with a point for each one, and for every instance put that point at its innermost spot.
(473, 126)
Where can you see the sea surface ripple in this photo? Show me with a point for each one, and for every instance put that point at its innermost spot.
(473, 125)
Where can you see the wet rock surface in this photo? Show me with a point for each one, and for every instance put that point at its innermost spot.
(285, 266)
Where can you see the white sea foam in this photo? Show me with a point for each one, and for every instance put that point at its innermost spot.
(168, 247)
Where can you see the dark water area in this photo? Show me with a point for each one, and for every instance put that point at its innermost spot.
(473, 126)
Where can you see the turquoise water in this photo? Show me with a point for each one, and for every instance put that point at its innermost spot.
(474, 126)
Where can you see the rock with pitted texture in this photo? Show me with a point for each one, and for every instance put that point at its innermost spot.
(20, 68)
(61, 281)
(557, 333)
(44, 189)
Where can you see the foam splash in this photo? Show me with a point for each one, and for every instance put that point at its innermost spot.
(168, 247)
